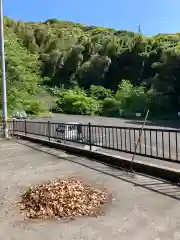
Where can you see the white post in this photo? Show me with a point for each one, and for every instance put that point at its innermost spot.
(4, 94)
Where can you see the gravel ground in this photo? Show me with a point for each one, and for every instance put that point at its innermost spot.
(107, 121)
(141, 207)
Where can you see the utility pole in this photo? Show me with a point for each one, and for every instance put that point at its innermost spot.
(4, 94)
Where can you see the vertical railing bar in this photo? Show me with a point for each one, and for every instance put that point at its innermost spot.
(150, 133)
(83, 134)
(87, 132)
(25, 127)
(95, 135)
(130, 139)
(99, 138)
(125, 139)
(93, 130)
(48, 125)
(73, 127)
(73, 139)
(41, 129)
(113, 138)
(69, 133)
(89, 127)
(140, 141)
(134, 139)
(105, 137)
(53, 130)
(162, 143)
(169, 141)
(13, 127)
(102, 136)
(145, 147)
(177, 157)
(121, 139)
(157, 152)
(44, 131)
(109, 136)
(117, 143)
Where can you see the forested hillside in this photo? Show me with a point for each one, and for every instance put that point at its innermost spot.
(90, 70)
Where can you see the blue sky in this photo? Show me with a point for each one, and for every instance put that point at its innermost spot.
(154, 16)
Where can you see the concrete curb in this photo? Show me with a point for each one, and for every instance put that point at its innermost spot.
(169, 174)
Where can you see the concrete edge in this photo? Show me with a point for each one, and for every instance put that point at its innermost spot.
(169, 174)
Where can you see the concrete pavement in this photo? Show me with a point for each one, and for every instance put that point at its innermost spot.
(141, 207)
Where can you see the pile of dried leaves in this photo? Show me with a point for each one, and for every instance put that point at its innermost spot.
(69, 197)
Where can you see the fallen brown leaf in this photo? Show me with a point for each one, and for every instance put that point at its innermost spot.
(69, 197)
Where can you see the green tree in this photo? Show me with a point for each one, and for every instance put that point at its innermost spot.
(69, 55)
(132, 99)
(99, 92)
(76, 102)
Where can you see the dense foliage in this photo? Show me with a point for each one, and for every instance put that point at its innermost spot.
(81, 69)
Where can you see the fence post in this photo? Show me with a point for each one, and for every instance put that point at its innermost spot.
(90, 137)
(13, 127)
(25, 127)
(49, 131)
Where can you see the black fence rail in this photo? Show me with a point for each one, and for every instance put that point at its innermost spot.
(157, 143)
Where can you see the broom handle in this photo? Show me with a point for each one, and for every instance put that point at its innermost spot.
(139, 137)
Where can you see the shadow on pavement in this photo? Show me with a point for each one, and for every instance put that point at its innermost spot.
(157, 123)
(138, 180)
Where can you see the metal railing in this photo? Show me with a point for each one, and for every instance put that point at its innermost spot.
(156, 143)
